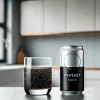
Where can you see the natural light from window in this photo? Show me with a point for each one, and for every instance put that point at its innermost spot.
(1, 29)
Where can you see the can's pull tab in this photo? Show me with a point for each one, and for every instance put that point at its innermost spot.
(72, 60)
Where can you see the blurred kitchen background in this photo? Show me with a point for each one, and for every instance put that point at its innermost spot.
(38, 28)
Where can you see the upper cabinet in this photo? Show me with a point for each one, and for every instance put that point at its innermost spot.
(31, 17)
(48, 17)
(80, 15)
(97, 15)
(54, 16)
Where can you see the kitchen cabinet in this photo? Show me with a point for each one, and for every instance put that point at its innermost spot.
(79, 15)
(1, 11)
(54, 16)
(31, 17)
(97, 15)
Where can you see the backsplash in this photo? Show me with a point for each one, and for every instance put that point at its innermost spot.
(50, 46)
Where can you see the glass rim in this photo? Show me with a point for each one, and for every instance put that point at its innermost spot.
(39, 57)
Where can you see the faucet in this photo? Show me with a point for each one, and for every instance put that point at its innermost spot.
(5, 41)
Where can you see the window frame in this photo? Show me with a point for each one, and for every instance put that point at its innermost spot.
(4, 27)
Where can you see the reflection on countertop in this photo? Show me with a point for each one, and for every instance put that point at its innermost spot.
(72, 97)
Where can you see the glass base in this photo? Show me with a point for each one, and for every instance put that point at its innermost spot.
(37, 91)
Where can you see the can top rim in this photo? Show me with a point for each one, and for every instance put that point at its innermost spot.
(72, 46)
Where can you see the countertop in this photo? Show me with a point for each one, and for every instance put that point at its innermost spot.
(10, 67)
(4, 66)
(17, 93)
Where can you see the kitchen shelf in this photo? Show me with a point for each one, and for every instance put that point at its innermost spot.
(43, 34)
(59, 33)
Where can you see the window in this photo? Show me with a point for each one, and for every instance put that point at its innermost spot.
(2, 30)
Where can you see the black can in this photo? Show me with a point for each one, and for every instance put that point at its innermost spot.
(72, 69)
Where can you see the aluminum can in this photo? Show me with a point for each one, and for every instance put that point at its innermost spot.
(72, 69)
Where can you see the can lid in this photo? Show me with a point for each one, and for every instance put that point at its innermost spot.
(73, 46)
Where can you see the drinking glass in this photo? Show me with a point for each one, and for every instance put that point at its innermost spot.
(37, 75)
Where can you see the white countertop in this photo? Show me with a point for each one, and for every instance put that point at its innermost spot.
(90, 93)
(10, 67)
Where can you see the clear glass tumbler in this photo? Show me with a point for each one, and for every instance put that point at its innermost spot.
(37, 75)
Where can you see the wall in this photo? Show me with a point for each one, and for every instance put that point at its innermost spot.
(13, 30)
(50, 46)
(16, 38)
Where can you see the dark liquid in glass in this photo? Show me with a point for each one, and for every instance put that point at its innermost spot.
(37, 78)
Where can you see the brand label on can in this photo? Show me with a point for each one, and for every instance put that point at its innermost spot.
(72, 80)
